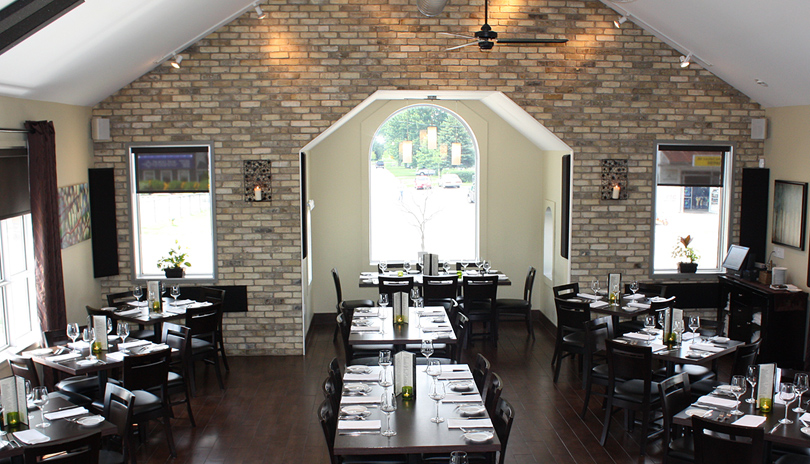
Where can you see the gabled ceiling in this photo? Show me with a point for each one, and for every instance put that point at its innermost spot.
(102, 45)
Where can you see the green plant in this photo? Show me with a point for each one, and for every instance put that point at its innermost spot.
(683, 250)
(176, 258)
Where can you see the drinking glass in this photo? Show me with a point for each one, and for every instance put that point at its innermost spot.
(434, 369)
(787, 393)
(446, 267)
(388, 404)
(480, 265)
(383, 300)
(73, 332)
(677, 327)
(385, 361)
(123, 331)
(634, 287)
(406, 266)
(694, 323)
(649, 324)
(382, 312)
(383, 266)
(800, 385)
(109, 326)
(458, 457)
(464, 265)
(137, 293)
(437, 393)
(595, 286)
(40, 400)
(89, 336)
(661, 315)
(737, 389)
(175, 293)
(427, 349)
(752, 375)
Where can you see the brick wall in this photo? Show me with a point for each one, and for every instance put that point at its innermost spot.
(263, 89)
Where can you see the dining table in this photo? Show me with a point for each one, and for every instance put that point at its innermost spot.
(136, 312)
(66, 425)
(368, 328)
(467, 425)
(370, 279)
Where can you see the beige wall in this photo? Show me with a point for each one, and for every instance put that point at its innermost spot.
(788, 153)
(74, 155)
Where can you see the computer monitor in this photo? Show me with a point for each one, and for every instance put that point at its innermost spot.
(735, 259)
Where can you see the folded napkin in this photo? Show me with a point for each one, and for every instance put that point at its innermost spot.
(438, 328)
(200, 304)
(658, 299)
(129, 312)
(372, 399)
(434, 312)
(366, 312)
(456, 398)
(598, 304)
(502, 277)
(469, 423)
(749, 420)
(637, 296)
(134, 343)
(455, 375)
(31, 436)
(181, 302)
(455, 368)
(588, 296)
(79, 345)
(805, 417)
(66, 413)
(690, 335)
(63, 357)
(657, 347)
(140, 304)
(715, 401)
(706, 347)
(639, 336)
(359, 424)
(155, 347)
(349, 377)
(115, 356)
(369, 328)
(633, 304)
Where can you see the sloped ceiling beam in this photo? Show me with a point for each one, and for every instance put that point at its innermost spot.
(22, 18)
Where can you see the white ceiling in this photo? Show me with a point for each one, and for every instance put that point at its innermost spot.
(103, 45)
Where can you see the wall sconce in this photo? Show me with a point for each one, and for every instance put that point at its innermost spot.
(614, 179)
(257, 181)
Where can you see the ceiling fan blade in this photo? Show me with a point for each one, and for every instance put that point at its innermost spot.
(462, 46)
(532, 41)
(457, 35)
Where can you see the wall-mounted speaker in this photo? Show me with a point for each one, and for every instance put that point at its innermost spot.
(759, 128)
(102, 222)
(100, 128)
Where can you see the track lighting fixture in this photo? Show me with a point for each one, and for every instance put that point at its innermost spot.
(686, 60)
(176, 61)
(260, 14)
(618, 23)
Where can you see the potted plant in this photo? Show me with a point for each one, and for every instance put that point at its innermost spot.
(175, 263)
(684, 251)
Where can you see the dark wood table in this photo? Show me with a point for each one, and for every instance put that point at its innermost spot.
(60, 429)
(403, 334)
(683, 353)
(170, 313)
(369, 279)
(415, 432)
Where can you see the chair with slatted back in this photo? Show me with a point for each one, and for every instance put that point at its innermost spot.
(391, 285)
(84, 450)
(335, 374)
(492, 392)
(566, 290)
(440, 290)
(675, 397)
(570, 341)
(511, 308)
(216, 297)
(722, 442)
(204, 326)
(120, 300)
(142, 375)
(25, 368)
(480, 371)
(744, 356)
(331, 391)
(118, 407)
(178, 337)
(480, 294)
(347, 304)
(327, 415)
(81, 389)
(594, 362)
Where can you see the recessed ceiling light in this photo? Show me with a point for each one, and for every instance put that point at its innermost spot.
(761, 82)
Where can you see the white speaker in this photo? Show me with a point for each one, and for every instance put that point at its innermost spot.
(759, 128)
(779, 275)
(100, 127)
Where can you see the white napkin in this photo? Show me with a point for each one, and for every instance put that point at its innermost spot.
(749, 420)
(115, 356)
(438, 328)
(707, 347)
(80, 345)
(637, 296)
(455, 375)
(181, 302)
(129, 312)
(373, 399)
(156, 347)
(633, 304)
(349, 377)
(454, 398)
(434, 312)
(598, 304)
(369, 328)
(359, 424)
(200, 304)
(502, 277)
(366, 312)
(134, 343)
(658, 299)
(31, 436)
(657, 347)
(63, 357)
(468, 423)
(690, 335)
(66, 413)
(715, 401)
(455, 368)
(588, 296)
(140, 304)
(639, 336)
(805, 417)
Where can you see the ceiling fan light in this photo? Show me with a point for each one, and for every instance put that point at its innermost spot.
(618, 23)
(686, 60)
(176, 61)
(431, 7)
(260, 14)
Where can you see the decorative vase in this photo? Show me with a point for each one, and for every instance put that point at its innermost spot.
(174, 272)
(687, 268)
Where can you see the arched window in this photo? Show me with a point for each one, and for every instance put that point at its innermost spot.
(422, 186)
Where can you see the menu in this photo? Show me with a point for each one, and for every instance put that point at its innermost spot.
(405, 372)
(765, 386)
(12, 391)
(100, 329)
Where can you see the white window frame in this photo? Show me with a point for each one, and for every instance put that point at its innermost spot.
(137, 273)
(17, 341)
(724, 236)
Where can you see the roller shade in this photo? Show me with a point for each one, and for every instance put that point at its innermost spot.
(15, 195)
(691, 165)
(171, 169)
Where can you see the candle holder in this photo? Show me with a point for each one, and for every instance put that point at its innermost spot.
(257, 180)
(614, 179)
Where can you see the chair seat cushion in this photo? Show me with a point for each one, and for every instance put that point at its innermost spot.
(633, 390)
(576, 338)
(145, 402)
(793, 459)
(80, 384)
(512, 305)
(704, 387)
(696, 372)
(682, 448)
(600, 371)
(352, 304)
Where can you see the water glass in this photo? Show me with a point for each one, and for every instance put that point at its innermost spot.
(406, 266)
(40, 400)
(800, 384)
(694, 323)
(737, 389)
(388, 404)
(109, 326)
(634, 287)
(383, 266)
(175, 293)
(427, 349)
(137, 292)
(434, 369)
(73, 332)
(649, 323)
(446, 267)
(437, 394)
(383, 300)
(787, 393)
(595, 286)
(487, 265)
(458, 457)
(123, 330)
(752, 376)
(464, 265)
(384, 361)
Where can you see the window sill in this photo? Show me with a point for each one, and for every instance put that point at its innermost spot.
(677, 276)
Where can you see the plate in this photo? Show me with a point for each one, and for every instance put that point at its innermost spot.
(353, 410)
(358, 369)
(461, 385)
(90, 421)
(361, 323)
(695, 355)
(87, 362)
(469, 410)
(357, 387)
(478, 437)
(806, 430)
(723, 388)
(109, 308)
(720, 340)
(40, 352)
(696, 412)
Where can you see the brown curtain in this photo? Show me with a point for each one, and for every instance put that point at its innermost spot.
(45, 219)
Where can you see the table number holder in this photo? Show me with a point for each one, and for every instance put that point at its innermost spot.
(14, 401)
(154, 298)
(765, 386)
(400, 308)
(405, 373)
(430, 263)
(100, 329)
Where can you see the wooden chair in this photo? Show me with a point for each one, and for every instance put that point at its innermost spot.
(327, 416)
(25, 368)
(570, 341)
(119, 300)
(391, 285)
(440, 290)
(348, 304)
(480, 372)
(511, 308)
(178, 337)
(335, 373)
(727, 443)
(675, 396)
(566, 290)
(84, 450)
(594, 363)
(204, 328)
(216, 297)
(492, 392)
(502, 419)
(480, 294)
(142, 374)
(118, 407)
(744, 356)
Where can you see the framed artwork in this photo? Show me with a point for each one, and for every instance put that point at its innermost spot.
(74, 214)
(789, 213)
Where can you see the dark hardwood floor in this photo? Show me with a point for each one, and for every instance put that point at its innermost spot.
(267, 414)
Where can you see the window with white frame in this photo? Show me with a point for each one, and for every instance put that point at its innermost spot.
(17, 289)
(172, 195)
(692, 198)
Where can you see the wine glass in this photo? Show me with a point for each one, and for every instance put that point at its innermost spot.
(437, 393)
(434, 369)
(175, 293)
(427, 349)
(634, 288)
(388, 404)
(487, 265)
(458, 457)
(137, 293)
(446, 267)
(479, 263)
(737, 389)
(123, 331)
(89, 336)
(787, 393)
(649, 324)
(384, 361)
(383, 313)
(677, 327)
(73, 333)
(752, 375)
(383, 266)
(800, 384)
(406, 266)
(661, 315)
(40, 400)
(109, 326)
(595, 286)
(694, 323)
(464, 263)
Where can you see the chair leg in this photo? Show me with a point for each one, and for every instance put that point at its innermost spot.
(530, 324)
(587, 397)
(557, 368)
(221, 344)
(167, 426)
(218, 371)
(608, 414)
(645, 426)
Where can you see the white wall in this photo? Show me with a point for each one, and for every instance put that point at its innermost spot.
(74, 154)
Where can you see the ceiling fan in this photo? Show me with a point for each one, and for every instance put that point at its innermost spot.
(486, 37)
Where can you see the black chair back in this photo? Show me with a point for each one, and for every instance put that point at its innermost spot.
(744, 356)
(205, 325)
(331, 391)
(596, 332)
(118, 402)
(479, 292)
(727, 443)
(391, 285)
(480, 372)
(676, 395)
(328, 419)
(502, 420)
(628, 362)
(462, 328)
(492, 392)
(528, 286)
(440, 290)
(338, 290)
(120, 298)
(566, 290)
(83, 450)
(334, 372)
(25, 368)
(147, 371)
(571, 315)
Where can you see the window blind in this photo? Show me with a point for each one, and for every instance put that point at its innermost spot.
(15, 195)
(171, 169)
(691, 165)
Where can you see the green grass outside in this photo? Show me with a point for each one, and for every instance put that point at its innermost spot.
(403, 173)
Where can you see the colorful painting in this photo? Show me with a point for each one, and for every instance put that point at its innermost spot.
(74, 214)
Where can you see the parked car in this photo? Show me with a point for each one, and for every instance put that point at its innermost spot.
(450, 181)
(422, 182)
(380, 164)
(426, 172)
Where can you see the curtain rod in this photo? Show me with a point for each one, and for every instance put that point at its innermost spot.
(23, 131)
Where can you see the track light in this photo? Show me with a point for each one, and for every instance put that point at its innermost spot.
(260, 13)
(686, 60)
(618, 23)
(176, 61)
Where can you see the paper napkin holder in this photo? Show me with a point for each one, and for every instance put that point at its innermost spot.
(405, 372)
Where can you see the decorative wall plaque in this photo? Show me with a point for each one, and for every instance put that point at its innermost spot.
(614, 179)
(257, 180)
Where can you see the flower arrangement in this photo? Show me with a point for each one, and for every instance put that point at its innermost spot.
(683, 250)
(176, 259)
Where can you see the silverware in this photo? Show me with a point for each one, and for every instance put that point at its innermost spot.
(775, 427)
(354, 433)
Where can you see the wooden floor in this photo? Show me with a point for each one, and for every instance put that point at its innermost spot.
(267, 414)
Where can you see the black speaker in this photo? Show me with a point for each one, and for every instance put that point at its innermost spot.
(565, 205)
(754, 212)
(102, 222)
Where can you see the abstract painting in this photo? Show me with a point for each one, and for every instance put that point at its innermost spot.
(74, 214)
